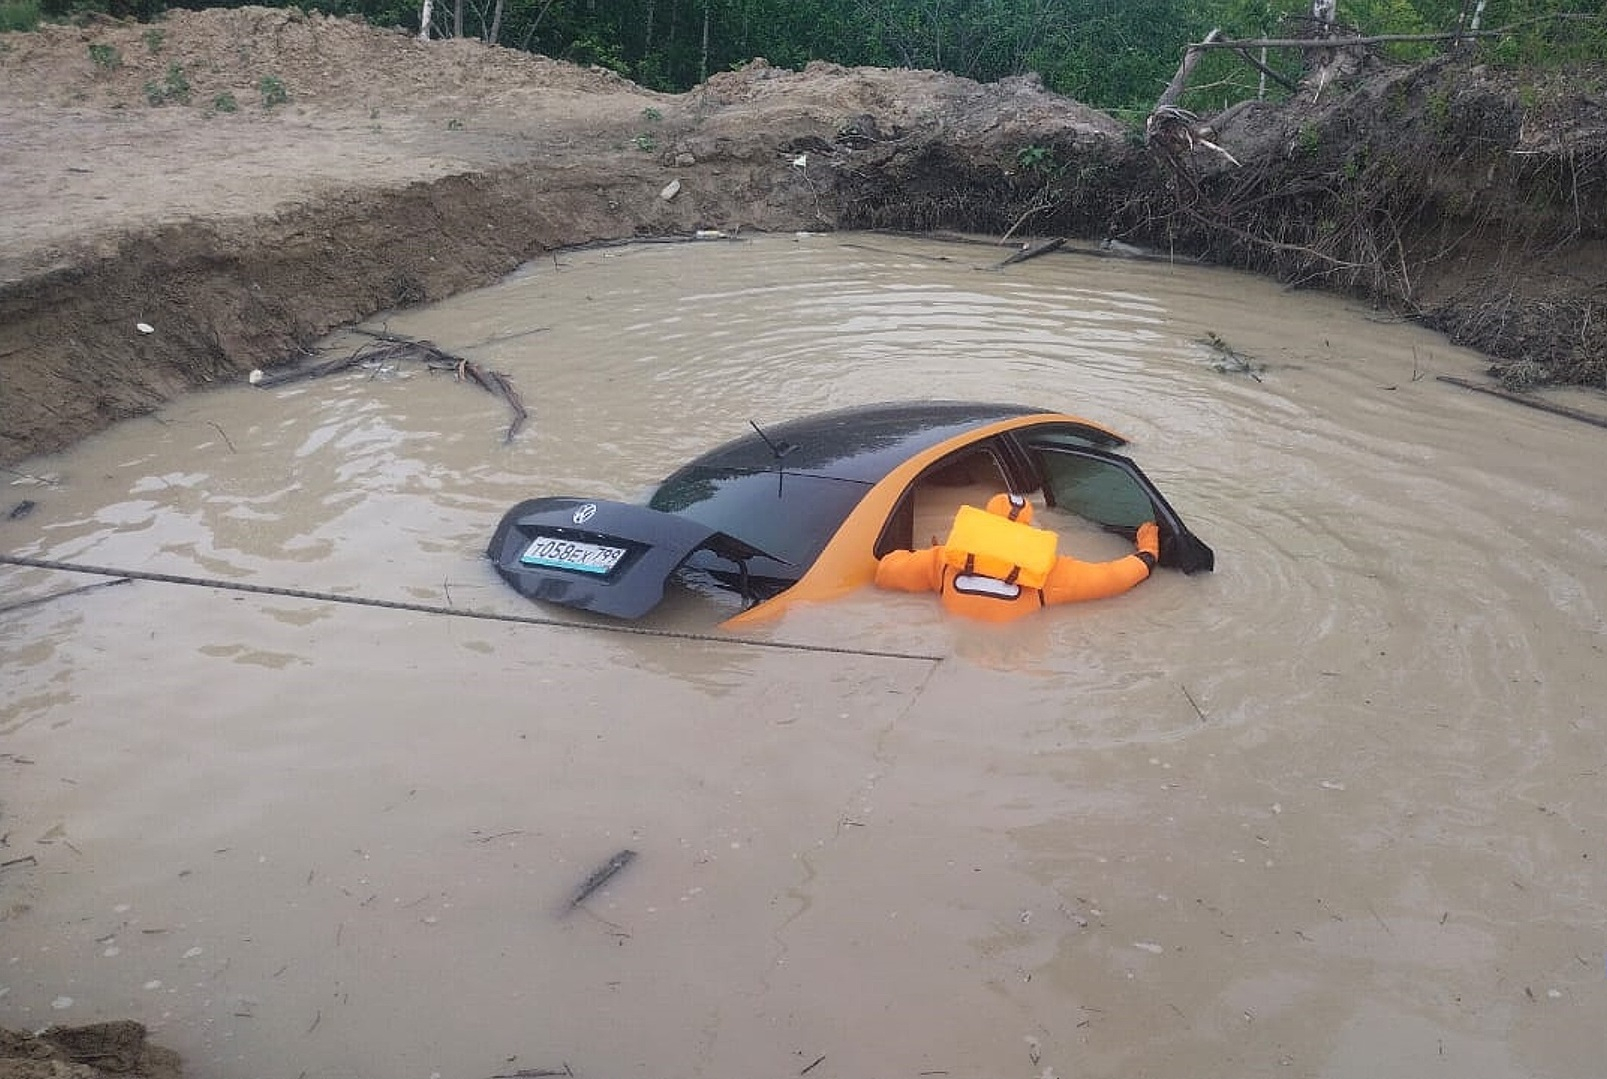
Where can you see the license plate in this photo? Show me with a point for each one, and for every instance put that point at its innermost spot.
(569, 554)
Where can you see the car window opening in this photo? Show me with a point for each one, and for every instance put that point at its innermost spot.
(926, 512)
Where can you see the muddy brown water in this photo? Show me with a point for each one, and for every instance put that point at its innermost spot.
(1334, 810)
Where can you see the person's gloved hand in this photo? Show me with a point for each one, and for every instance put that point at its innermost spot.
(1149, 543)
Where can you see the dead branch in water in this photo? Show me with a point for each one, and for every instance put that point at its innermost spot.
(497, 384)
(391, 348)
(1527, 401)
(1033, 250)
(601, 876)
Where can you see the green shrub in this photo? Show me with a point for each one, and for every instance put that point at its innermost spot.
(225, 102)
(173, 87)
(273, 91)
(106, 57)
(19, 15)
(1041, 160)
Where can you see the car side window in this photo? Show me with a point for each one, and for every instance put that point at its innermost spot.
(926, 511)
(1109, 491)
(1098, 490)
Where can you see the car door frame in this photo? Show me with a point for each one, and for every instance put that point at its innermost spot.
(1181, 549)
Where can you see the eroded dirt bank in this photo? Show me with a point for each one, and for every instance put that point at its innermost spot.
(199, 197)
(86, 1052)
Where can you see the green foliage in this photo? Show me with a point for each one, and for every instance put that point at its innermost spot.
(175, 84)
(1547, 37)
(273, 91)
(104, 56)
(1115, 56)
(1356, 163)
(1437, 108)
(1398, 17)
(1040, 160)
(598, 52)
(1030, 157)
(153, 39)
(141, 10)
(174, 87)
(19, 15)
(225, 102)
(1308, 139)
(645, 143)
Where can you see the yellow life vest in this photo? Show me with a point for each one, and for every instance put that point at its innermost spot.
(992, 546)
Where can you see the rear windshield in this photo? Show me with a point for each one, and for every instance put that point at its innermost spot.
(789, 515)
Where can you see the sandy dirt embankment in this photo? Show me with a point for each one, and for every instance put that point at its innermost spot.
(315, 170)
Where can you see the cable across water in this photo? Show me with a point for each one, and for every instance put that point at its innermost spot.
(436, 609)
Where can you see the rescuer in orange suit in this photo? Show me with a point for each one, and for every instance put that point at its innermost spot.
(997, 567)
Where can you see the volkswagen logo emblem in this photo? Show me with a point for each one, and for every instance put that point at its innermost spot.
(584, 513)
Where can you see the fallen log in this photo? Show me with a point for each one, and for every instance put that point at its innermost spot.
(1032, 250)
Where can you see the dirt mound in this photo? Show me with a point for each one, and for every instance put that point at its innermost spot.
(1467, 196)
(93, 1051)
(242, 181)
(312, 59)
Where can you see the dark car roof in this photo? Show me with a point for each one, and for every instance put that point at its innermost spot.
(862, 444)
(786, 491)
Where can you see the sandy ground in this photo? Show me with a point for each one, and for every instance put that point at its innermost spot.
(94, 159)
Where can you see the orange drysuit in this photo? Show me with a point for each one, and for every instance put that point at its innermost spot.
(1002, 599)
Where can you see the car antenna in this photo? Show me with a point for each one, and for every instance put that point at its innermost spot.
(777, 449)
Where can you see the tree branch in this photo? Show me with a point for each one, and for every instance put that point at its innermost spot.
(1213, 41)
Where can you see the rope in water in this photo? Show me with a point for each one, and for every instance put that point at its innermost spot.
(453, 612)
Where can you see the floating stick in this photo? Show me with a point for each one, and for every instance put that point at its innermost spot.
(602, 876)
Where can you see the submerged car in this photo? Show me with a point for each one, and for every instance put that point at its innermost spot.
(803, 510)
